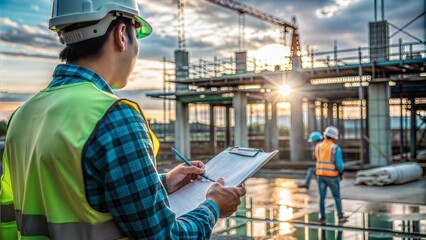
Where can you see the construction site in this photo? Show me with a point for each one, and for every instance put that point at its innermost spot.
(374, 94)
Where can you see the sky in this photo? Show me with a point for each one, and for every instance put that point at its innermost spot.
(28, 50)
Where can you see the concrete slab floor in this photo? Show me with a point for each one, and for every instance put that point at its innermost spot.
(412, 192)
(390, 212)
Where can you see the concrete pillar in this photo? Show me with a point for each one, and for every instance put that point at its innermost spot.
(239, 103)
(182, 129)
(339, 122)
(379, 40)
(182, 69)
(228, 133)
(322, 120)
(241, 62)
(213, 135)
(274, 127)
(267, 132)
(297, 141)
(271, 127)
(379, 124)
(330, 120)
(413, 131)
(312, 119)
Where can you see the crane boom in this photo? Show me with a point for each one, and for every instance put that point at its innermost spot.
(242, 8)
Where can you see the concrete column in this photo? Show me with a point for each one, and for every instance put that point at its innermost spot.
(322, 120)
(228, 134)
(241, 62)
(274, 127)
(267, 132)
(271, 127)
(339, 122)
(182, 129)
(312, 119)
(330, 119)
(379, 124)
(182, 69)
(413, 131)
(213, 135)
(297, 141)
(239, 103)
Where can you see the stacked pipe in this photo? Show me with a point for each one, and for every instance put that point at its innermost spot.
(393, 174)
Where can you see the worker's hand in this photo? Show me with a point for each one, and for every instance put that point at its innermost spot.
(341, 177)
(183, 174)
(226, 198)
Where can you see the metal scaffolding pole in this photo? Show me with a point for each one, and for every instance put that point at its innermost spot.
(361, 98)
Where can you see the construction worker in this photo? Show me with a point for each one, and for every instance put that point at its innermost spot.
(314, 138)
(79, 162)
(329, 170)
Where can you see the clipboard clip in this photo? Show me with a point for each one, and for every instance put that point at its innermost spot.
(242, 151)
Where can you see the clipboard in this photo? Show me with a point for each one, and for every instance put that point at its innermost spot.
(234, 165)
(249, 152)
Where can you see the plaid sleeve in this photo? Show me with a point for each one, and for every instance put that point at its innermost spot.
(163, 180)
(120, 178)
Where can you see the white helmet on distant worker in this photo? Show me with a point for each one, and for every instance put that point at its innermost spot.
(68, 12)
(331, 132)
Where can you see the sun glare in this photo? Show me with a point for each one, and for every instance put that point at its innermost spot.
(272, 55)
(285, 90)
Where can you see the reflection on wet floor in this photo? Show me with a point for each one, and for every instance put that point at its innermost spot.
(278, 209)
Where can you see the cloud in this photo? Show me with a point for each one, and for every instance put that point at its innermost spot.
(26, 54)
(29, 36)
(35, 8)
(213, 30)
(6, 22)
(331, 10)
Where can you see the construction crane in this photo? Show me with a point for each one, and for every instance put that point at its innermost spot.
(243, 9)
(181, 27)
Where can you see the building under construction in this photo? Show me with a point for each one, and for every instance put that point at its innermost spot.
(364, 91)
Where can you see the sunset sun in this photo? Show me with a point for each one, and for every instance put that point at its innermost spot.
(271, 56)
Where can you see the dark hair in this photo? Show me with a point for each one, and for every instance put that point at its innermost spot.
(327, 137)
(92, 47)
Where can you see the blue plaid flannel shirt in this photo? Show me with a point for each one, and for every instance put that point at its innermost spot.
(120, 176)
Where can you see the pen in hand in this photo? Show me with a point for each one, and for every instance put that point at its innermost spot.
(189, 163)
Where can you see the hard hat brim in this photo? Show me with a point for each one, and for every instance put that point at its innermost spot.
(144, 30)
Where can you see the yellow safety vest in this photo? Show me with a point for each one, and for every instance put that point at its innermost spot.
(43, 185)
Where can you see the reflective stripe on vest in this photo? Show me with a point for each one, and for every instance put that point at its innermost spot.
(325, 155)
(7, 213)
(37, 225)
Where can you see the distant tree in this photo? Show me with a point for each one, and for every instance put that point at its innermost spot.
(3, 128)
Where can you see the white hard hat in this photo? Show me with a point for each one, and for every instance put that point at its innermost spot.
(69, 12)
(332, 132)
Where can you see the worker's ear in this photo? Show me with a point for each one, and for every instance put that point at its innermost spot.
(120, 37)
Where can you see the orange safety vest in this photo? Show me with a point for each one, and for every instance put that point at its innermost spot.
(325, 155)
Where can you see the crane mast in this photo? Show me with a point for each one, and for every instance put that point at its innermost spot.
(181, 27)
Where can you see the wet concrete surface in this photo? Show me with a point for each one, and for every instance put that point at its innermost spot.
(276, 208)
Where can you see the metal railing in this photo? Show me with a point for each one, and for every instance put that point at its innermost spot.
(335, 58)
